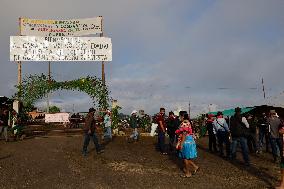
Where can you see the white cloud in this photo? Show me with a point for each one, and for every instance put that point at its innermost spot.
(166, 52)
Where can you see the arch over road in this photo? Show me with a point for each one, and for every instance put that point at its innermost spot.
(35, 87)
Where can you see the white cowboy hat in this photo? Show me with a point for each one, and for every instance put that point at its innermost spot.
(134, 112)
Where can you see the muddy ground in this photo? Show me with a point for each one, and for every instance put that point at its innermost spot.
(57, 162)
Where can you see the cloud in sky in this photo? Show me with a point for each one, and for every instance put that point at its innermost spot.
(166, 53)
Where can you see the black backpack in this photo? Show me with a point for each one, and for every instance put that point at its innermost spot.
(238, 128)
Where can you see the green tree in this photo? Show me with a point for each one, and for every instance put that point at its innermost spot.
(115, 117)
(54, 109)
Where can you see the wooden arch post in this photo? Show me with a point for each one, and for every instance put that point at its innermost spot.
(19, 64)
(103, 63)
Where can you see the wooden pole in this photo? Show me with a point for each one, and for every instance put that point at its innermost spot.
(103, 65)
(103, 73)
(19, 73)
(49, 76)
(19, 63)
(19, 79)
(49, 80)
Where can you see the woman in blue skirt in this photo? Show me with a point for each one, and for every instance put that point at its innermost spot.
(187, 148)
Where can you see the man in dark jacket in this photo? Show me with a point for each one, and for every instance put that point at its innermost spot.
(275, 138)
(238, 128)
(4, 120)
(263, 129)
(251, 138)
(171, 128)
(211, 133)
(89, 132)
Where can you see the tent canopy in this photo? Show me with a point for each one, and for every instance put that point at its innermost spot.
(231, 112)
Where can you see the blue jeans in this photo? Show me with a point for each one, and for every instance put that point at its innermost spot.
(87, 138)
(172, 139)
(263, 135)
(134, 134)
(107, 133)
(223, 138)
(161, 141)
(276, 142)
(244, 147)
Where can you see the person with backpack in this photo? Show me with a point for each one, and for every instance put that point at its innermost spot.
(239, 131)
(221, 127)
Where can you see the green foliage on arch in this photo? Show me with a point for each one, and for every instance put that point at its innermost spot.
(35, 87)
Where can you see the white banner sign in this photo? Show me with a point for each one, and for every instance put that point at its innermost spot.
(31, 48)
(78, 27)
(57, 118)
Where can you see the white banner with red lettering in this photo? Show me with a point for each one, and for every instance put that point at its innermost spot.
(35, 48)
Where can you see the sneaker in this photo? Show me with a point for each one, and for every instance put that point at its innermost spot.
(101, 151)
(275, 160)
(84, 154)
(131, 140)
(247, 164)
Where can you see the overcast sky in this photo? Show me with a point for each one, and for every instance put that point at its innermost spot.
(166, 53)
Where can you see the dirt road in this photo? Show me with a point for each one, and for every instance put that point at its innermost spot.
(57, 162)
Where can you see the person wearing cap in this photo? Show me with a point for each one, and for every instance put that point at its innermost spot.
(275, 138)
(212, 133)
(239, 130)
(89, 132)
(221, 127)
(134, 125)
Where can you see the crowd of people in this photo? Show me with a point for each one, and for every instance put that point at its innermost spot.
(249, 132)
(253, 134)
(246, 130)
(224, 133)
(182, 137)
